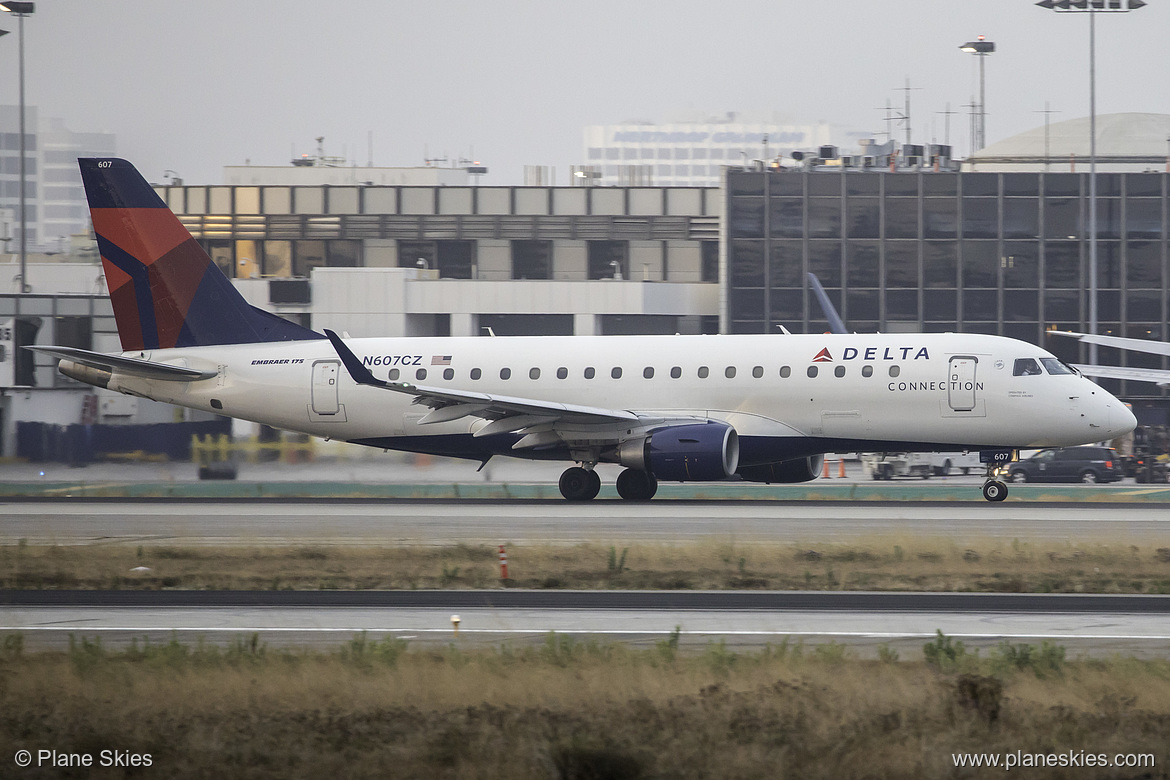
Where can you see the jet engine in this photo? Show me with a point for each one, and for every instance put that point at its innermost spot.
(684, 453)
(786, 471)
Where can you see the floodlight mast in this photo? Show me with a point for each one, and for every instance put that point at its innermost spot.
(21, 10)
(980, 47)
(1092, 8)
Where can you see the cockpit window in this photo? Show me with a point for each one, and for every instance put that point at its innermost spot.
(1056, 366)
(1027, 367)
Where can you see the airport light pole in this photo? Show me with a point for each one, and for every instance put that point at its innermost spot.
(1092, 8)
(980, 48)
(21, 10)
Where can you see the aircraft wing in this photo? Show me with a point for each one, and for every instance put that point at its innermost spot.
(507, 413)
(124, 365)
(1118, 342)
(1157, 376)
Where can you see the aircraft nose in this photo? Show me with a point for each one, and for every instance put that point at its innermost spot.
(1115, 418)
(1121, 418)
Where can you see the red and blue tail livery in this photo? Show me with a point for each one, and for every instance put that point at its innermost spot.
(166, 291)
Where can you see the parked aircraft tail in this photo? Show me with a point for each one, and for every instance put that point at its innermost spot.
(165, 289)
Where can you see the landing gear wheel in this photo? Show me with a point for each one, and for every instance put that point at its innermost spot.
(578, 484)
(994, 490)
(634, 485)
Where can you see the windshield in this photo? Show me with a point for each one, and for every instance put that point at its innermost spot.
(1057, 366)
(1026, 367)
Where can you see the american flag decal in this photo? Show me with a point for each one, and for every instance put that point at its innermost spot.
(440, 360)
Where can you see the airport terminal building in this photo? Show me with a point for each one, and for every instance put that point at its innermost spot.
(898, 247)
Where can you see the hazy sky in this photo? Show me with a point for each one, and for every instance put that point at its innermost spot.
(194, 86)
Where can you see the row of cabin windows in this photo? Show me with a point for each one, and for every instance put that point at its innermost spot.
(647, 373)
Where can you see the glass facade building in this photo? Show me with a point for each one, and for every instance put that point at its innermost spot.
(998, 253)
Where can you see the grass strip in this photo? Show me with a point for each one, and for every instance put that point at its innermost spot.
(574, 708)
(888, 563)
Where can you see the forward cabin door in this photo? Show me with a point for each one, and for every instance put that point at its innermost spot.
(961, 382)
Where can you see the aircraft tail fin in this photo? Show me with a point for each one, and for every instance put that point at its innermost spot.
(166, 291)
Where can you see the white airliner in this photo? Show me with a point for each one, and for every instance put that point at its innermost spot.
(1158, 376)
(678, 408)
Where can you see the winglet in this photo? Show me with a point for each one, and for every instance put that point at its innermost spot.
(357, 372)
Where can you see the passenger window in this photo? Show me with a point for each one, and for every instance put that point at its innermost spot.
(476, 373)
(675, 372)
(867, 370)
(448, 373)
(562, 373)
(812, 372)
(785, 371)
(505, 373)
(534, 373)
(1026, 367)
(839, 371)
(590, 372)
(729, 372)
(616, 372)
(758, 372)
(895, 370)
(421, 374)
(647, 373)
(394, 374)
(704, 372)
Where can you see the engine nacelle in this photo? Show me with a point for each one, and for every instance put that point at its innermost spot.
(786, 471)
(684, 453)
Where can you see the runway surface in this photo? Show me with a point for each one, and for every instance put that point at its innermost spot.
(904, 621)
(1091, 624)
(271, 522)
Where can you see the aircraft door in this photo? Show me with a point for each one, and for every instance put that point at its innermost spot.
(325, 387)
(961, 382)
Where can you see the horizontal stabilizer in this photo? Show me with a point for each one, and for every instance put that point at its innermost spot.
(124, 365)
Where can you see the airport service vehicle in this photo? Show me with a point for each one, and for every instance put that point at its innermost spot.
(887, 465)
(762, 408)
(1068, 464)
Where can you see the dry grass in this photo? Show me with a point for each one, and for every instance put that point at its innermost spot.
(880, 563)
(567, 709)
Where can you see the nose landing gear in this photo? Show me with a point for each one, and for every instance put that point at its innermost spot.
(993, 489)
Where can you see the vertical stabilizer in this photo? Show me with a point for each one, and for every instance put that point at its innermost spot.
(165, 289)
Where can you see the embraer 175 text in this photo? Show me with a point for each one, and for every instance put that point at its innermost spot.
(678, 408)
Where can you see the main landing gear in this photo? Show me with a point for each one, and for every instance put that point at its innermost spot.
(583, 484)
(634, 485)
(578, 484)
